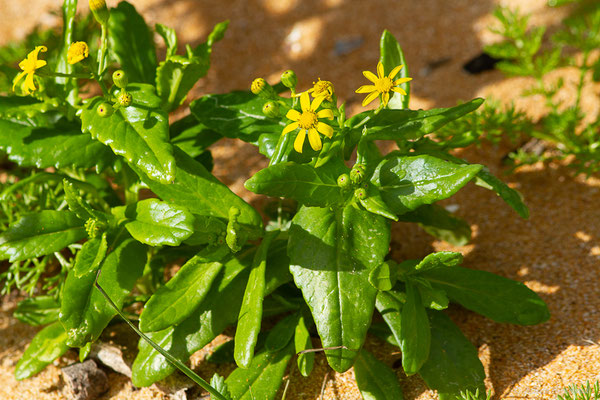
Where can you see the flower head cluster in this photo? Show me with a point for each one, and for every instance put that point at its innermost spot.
(322, 89)
(29, 65)
(308, 122)
(77, 52)
(382, 85)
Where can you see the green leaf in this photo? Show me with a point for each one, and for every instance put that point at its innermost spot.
(410, 124)
(191, 136)
(510, 196)
(375, 380)
(58, 147)
(263, 377)
(84, 312)
(303, 342)
(431, 297)
(181, 295)
(250, 316)
(453, 365)
(39, 234)
(440, 223)
(440, 259)
(282, 333)
(176, 76)
(219, 309)
(131, 43)
(78, 205)
(202, 194)
(222, 354)
(304, 183)
(169, 36)
(496, 297)
(218, 382)
(374, 203)
(383, 277)
(139, 133)
(90, 257)
(332, 253)
(236, 115)
(389, 306)
(391, 57)
(46, 346)
(415, 333)
(408, 182)
(156, 223)
(39, 310)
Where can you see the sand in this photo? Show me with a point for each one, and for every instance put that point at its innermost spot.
(555, 252)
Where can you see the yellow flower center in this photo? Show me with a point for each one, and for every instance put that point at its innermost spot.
(308, 120)
(384, 85)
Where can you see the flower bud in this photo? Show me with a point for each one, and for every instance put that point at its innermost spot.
(343, 181)
(271, 109)
(120, 79)
(357, 174)
(360, 194)
(289, 79)
(261, 88)
(124, 98)
(104, 110)
(100, 11)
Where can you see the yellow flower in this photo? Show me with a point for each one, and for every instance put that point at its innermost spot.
(322, 89)
(29, 65)
(382, 85)
(308, 122)
(77, 52)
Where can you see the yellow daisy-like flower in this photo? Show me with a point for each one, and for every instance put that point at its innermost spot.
(29, 65)
(382, 85)
(77, 52)
(322, 89)
(308, 122)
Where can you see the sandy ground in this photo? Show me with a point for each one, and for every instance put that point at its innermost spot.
(556, 252)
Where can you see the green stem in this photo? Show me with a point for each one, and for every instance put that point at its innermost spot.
(178, 364)
(103, 48)
(279, 150)
(584, 69)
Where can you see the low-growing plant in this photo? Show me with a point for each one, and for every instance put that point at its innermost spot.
(581, 392)
(563, 126)
(319, 262)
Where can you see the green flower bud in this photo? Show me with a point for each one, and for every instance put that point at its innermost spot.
(289, 79)
(124, 98)
(360, 194)
(104, 110)
(120, 79)
(271, 109)
(100, 11)
(261, 88)
(357, 174)
(343, 181)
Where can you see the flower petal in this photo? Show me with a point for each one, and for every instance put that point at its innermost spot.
(399, 90)
(291, 127)
(401, 81)
(314, 139)
(29, 83)
(366, 89)
(305, 101)
(18, 79)
(380, 70)
(316, 103)
(385, 98)
(299, 142)
(40, 64)
(324, 129)
(370, 76)
(395, 71)
(326, 113)
(370, 98)
(293, 115)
